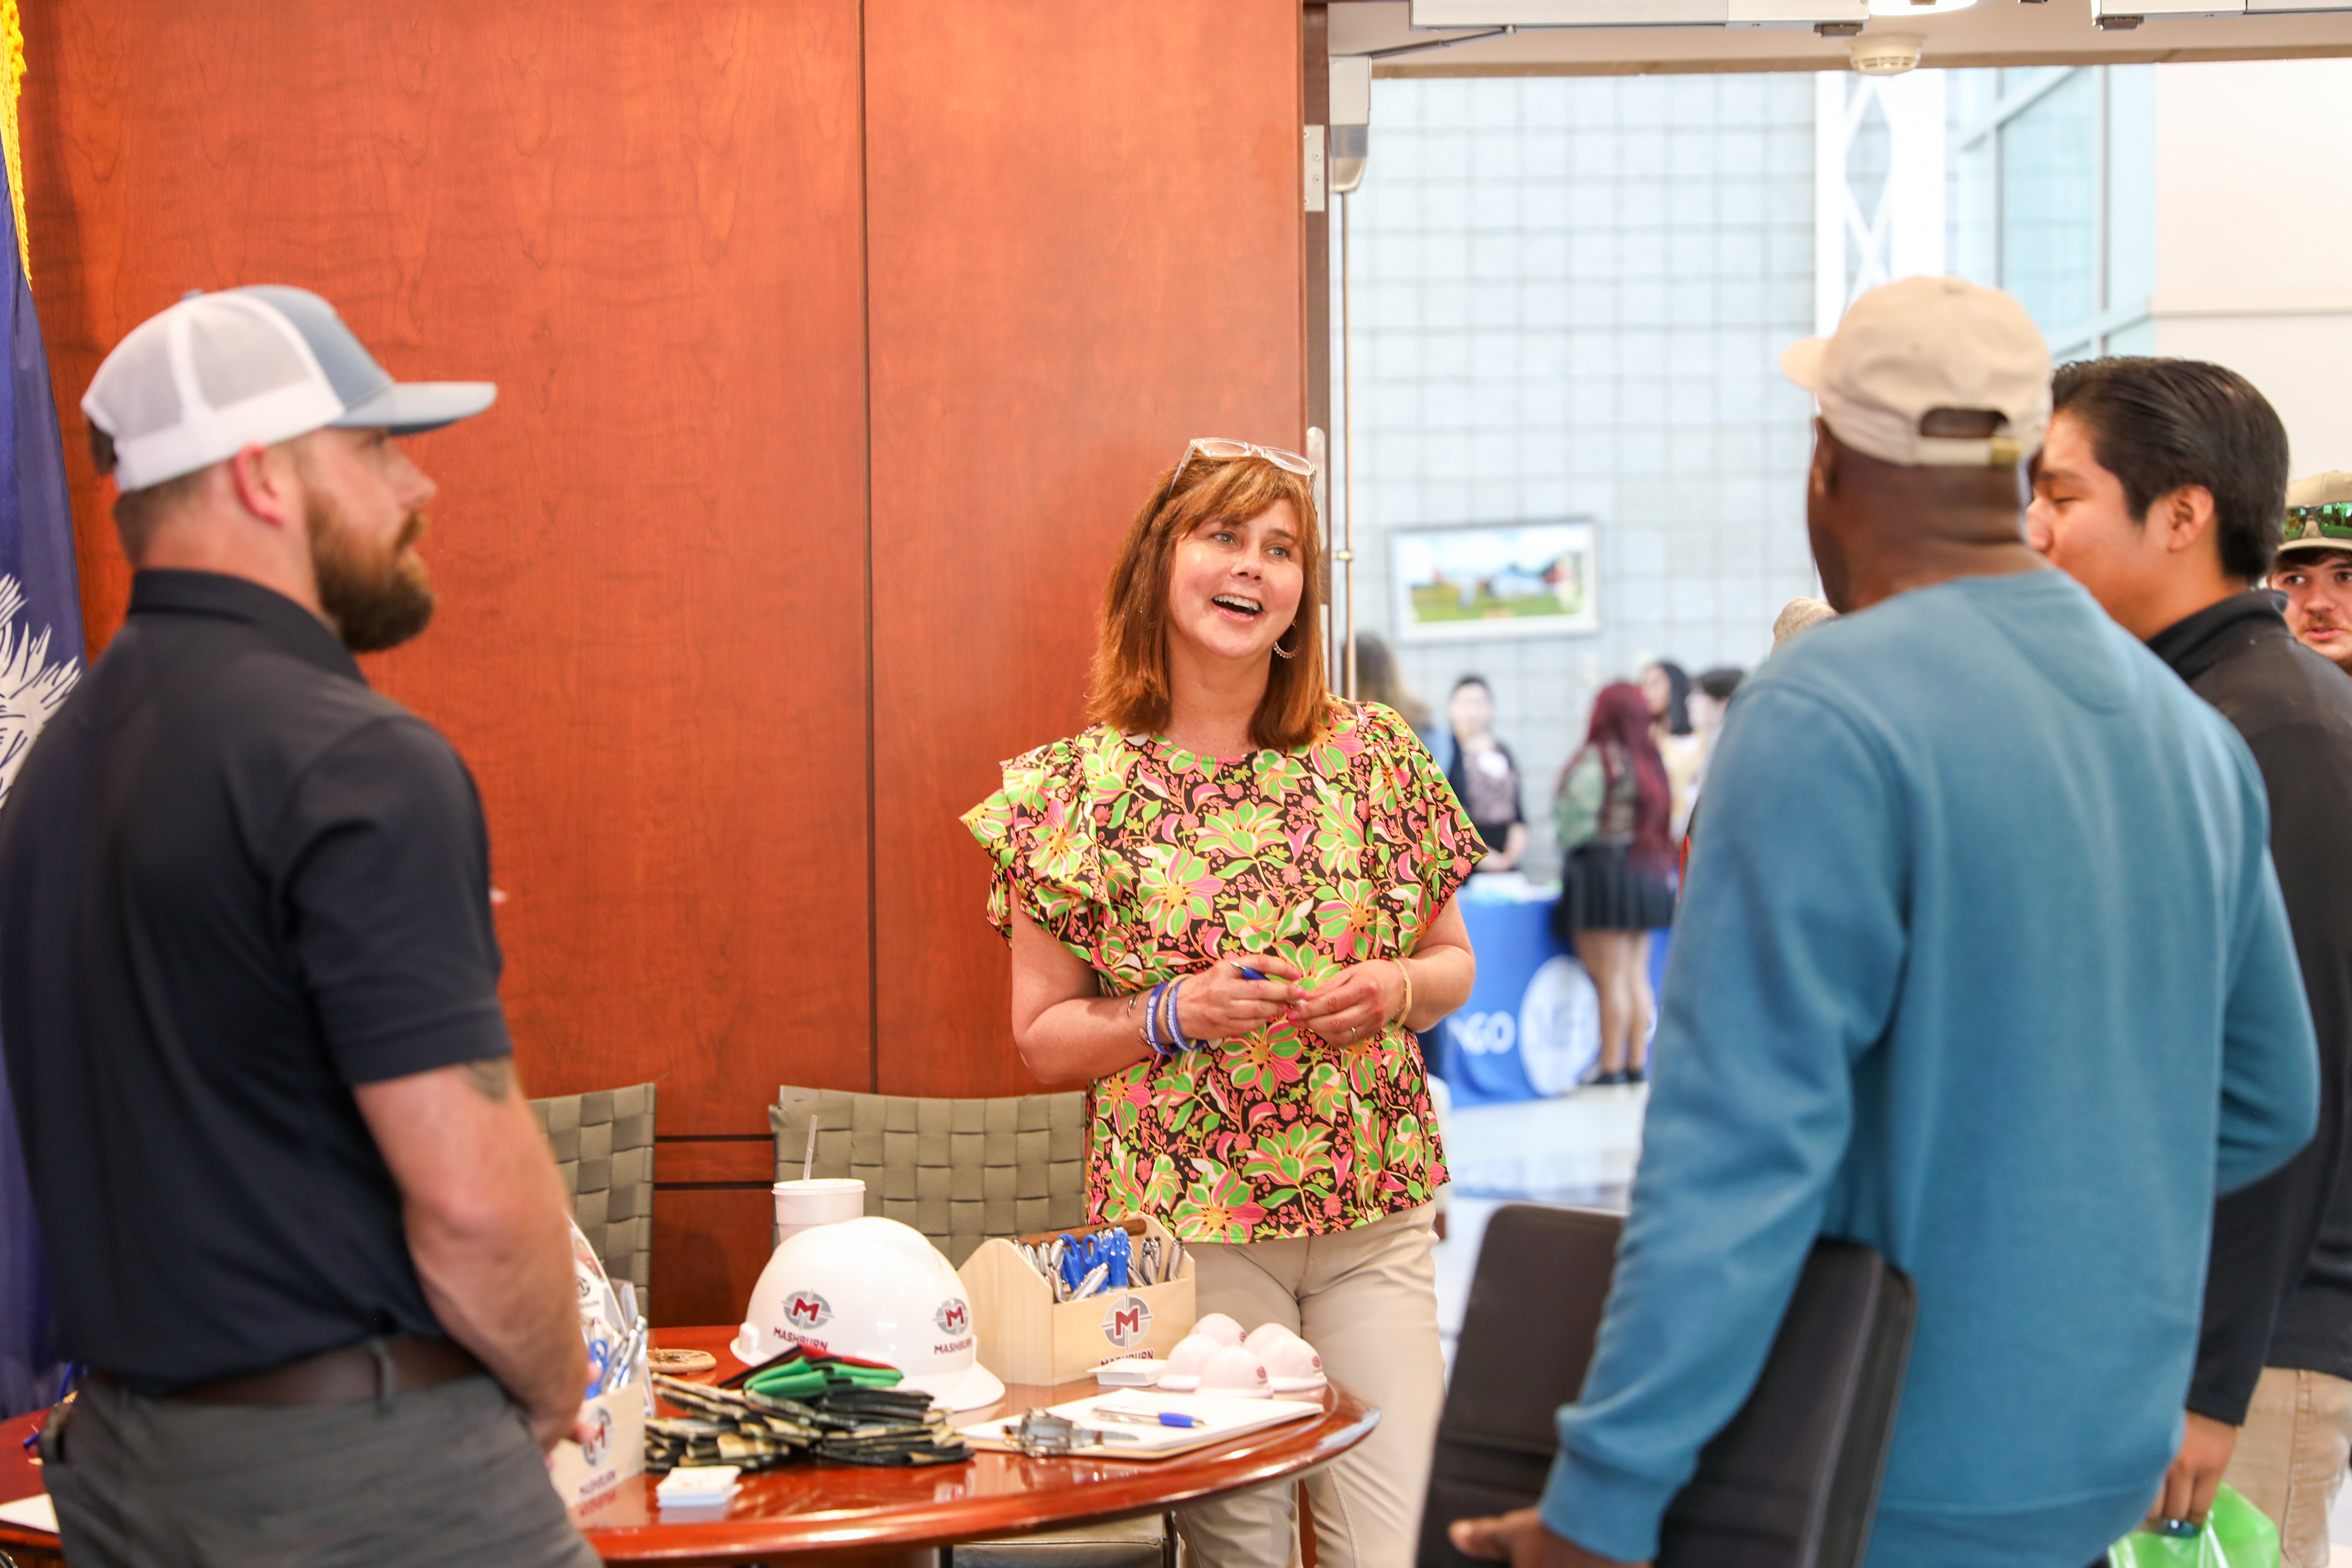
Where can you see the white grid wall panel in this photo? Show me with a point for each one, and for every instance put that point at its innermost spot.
(1570, 298)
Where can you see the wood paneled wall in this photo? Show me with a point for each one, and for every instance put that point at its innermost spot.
(1116, 241)
(836, 345)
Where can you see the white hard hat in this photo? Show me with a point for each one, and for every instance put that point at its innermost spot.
(1290, 1361)
(876, 1290)
(1237, 1371)
(1218, 1327)
(1188, 1361)
(1293, 1365)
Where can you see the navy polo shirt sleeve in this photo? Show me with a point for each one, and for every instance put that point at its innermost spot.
(385, 892)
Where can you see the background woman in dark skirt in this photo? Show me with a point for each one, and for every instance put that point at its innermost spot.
(1615, 889)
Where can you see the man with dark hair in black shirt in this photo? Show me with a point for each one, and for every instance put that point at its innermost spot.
(307, 1241)
(2162, 489)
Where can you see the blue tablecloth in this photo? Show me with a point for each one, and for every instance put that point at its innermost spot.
(1532, 1025)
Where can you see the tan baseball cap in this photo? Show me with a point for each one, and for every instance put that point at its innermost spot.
(2319, 514)
(1922, 346)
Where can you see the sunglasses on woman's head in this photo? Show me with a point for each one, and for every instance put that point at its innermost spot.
(1222, 449)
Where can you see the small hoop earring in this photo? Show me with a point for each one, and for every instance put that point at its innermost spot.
(1286, 653)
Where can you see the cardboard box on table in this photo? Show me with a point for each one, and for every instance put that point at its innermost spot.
(583, 1473)
(1025, 1336)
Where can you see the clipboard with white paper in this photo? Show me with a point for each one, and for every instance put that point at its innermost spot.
(35, 1513)
(1219, 1419)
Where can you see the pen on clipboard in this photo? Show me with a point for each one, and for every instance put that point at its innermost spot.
(1145, 1417)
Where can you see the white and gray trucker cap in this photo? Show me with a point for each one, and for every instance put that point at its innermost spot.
(217, 373)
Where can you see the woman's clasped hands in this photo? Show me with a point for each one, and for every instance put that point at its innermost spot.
(1224, 1002)
(1353, 1003)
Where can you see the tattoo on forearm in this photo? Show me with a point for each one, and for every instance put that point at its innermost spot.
(494, 1076)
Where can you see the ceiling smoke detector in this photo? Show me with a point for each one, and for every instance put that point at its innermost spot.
(1885, 54)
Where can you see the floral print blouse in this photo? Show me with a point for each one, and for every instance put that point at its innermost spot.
(1150, 862)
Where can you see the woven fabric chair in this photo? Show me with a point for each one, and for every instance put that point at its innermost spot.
(960, 1171)
(603, 1144)
(1146, 1542)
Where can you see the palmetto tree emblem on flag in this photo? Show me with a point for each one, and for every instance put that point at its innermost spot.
(32, 685)
(41, 659)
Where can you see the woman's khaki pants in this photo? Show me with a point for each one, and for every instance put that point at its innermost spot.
(1367, 1300)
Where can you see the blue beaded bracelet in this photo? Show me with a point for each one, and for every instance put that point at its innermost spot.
(1176, 1017)
(1151, 1023)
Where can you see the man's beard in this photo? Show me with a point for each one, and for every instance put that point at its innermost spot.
(375, 599)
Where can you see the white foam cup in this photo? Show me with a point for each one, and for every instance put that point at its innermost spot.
(827, 1200)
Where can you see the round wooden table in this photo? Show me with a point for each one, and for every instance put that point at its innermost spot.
(818, 1514)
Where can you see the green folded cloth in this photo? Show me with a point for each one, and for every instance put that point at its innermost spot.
(797, 1380)
(808, 1374)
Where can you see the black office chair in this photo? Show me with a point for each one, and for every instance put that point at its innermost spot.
(1790, 1482)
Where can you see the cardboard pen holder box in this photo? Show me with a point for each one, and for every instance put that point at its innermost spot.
(583, 1473)
(1025, 1336)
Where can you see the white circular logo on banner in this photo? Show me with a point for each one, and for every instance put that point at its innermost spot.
(1560, 1027)
(1484, 1033)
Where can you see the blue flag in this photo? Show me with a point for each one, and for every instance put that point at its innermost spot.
(41, 659)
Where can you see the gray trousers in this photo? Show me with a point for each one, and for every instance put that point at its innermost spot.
(448, 1475)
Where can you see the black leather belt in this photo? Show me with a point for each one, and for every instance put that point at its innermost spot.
(344, 1376)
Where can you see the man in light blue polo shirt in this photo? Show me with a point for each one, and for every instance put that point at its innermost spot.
(1981, 961)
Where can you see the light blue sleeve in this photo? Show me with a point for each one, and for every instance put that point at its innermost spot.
(2269, 1057)
(1788, 953)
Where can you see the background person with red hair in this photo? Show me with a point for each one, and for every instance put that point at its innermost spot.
(1613, 811)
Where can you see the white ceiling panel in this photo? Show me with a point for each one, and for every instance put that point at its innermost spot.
(1992, 33)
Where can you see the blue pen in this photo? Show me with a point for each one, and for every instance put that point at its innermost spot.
(1146, 1417)
(1247, 973)
(599, 1358)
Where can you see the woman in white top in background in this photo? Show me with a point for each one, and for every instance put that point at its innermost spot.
(1485, 775)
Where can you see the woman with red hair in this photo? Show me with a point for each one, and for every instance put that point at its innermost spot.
(1612, 812)
(1230, 903)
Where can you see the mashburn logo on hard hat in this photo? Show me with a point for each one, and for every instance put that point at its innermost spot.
(1126, 1321)
(954, 1321)
(806, 1310)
